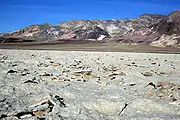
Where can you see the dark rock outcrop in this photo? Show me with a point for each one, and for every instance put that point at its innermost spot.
(170, 24)
(168, 30)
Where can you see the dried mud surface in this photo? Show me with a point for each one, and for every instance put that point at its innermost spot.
(79, 85)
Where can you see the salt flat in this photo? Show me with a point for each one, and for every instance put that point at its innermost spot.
(54, 85)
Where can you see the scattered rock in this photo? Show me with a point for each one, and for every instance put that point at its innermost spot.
(112, 74)
(82, 72)
(150, 94)
(46, 74)
(42, 65)
(116, 74)
(122, 74)
(113, 78)
(166, 90)
(125, 106)
(25, 72)
(162, 73)
(11, 71)
(147, 74)
(13, 65)
(39, 110)
(110, 68)
(32, 81)
(152, 84)
(133, 84)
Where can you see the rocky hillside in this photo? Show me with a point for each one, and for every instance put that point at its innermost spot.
(154, 29)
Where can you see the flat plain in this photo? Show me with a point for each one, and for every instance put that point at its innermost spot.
(89, 85)
(83, 45)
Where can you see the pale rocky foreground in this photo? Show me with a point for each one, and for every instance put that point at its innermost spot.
(64, 85)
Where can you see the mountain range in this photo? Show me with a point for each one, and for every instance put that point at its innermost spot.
(154, 29)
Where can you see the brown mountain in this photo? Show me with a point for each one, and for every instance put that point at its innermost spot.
(153, 29)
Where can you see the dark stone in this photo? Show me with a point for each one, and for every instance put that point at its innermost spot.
(147, 74)
(11, 71)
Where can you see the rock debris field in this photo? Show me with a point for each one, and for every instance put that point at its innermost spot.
(77, 85)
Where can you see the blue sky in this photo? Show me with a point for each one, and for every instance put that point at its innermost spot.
(16, 14)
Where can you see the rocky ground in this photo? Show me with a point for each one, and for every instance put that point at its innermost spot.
(60, 85)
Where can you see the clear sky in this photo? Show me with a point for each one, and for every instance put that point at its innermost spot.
(15, 14)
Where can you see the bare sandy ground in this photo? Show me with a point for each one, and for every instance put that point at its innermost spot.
(77, 85)
(69, 45)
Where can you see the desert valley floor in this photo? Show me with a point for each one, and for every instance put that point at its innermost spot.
(82, 45)
(82, 85)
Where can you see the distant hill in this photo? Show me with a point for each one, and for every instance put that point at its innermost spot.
(153, 29)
